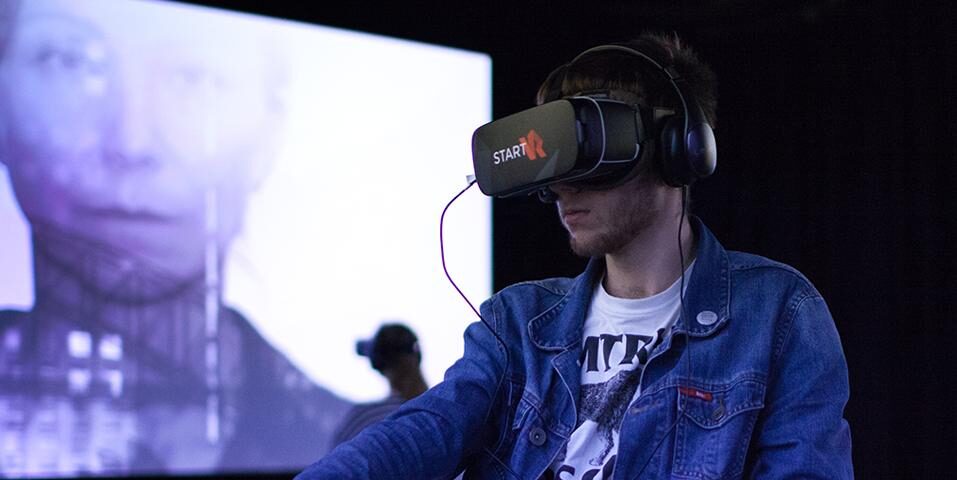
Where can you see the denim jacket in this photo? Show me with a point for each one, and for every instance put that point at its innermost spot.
(751, 383)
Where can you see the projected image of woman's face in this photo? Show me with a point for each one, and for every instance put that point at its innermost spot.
(132, 130)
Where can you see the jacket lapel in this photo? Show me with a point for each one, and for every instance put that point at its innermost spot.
(557, 331)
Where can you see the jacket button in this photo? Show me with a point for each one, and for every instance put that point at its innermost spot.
(707, 317)
(537, 436)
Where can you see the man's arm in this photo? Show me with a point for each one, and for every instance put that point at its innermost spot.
(802, 432)
(430, 435)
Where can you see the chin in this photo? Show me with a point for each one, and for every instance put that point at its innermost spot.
(584, 249)
(596, 245)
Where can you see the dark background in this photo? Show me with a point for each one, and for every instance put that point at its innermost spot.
(837, 143)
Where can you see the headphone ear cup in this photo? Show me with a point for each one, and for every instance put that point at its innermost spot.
(672, 159)
(701, 151)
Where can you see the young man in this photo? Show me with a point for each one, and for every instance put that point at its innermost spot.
(668, 357)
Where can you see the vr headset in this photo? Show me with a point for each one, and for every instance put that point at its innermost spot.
(593, 141)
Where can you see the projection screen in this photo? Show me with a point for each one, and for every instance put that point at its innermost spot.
(201, 212)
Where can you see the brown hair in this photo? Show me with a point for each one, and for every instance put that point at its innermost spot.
(618, 70)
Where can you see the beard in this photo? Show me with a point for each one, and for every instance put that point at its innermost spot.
(615, 237)
(628, 219)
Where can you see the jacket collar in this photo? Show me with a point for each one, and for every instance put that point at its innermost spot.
(707, 299)
(706, 302)
(559, 327)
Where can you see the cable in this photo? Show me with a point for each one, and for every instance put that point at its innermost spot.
(445, 268)
(687, 325)
(685, 192)
(485, 322)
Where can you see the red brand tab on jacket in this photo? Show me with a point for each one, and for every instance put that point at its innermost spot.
(693, 392)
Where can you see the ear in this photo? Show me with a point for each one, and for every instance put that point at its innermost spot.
(276, 98)
(261, 163)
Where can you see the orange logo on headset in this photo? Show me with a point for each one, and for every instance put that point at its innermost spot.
(533, 145)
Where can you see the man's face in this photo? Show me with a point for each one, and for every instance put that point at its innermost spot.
(129, 125)
(603, 222)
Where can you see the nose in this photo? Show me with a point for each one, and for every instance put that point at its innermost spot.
(131, 134)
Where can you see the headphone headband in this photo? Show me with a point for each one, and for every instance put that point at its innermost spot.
(690, 153)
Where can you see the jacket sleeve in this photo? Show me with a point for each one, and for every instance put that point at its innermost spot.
(801, 432)
(431, 435)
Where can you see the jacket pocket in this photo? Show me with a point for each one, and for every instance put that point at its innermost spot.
(714, 431)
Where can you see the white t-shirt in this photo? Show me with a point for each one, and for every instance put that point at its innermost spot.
(619, 336)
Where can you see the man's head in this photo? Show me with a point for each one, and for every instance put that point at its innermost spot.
(627, 77)
(603, 219)
(392, 346)
(133, 125)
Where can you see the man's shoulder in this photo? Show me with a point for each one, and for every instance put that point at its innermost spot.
(10, 318)
(748, 266)
(386, 404)
(547, 287)
(12, 314)
(519, 302)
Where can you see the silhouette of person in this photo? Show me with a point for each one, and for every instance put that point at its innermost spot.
(131, 147)
(393, 352)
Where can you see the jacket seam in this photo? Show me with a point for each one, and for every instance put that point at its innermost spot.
(771, 265)
(542, 284)
(788, 326)
(674, 382)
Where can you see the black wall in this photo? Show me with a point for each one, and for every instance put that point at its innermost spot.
(837, 144)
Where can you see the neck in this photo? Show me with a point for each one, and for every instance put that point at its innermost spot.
(87, 284)
(650, 263)
(407, 384)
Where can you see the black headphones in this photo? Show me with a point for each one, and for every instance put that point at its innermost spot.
(686, 146)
